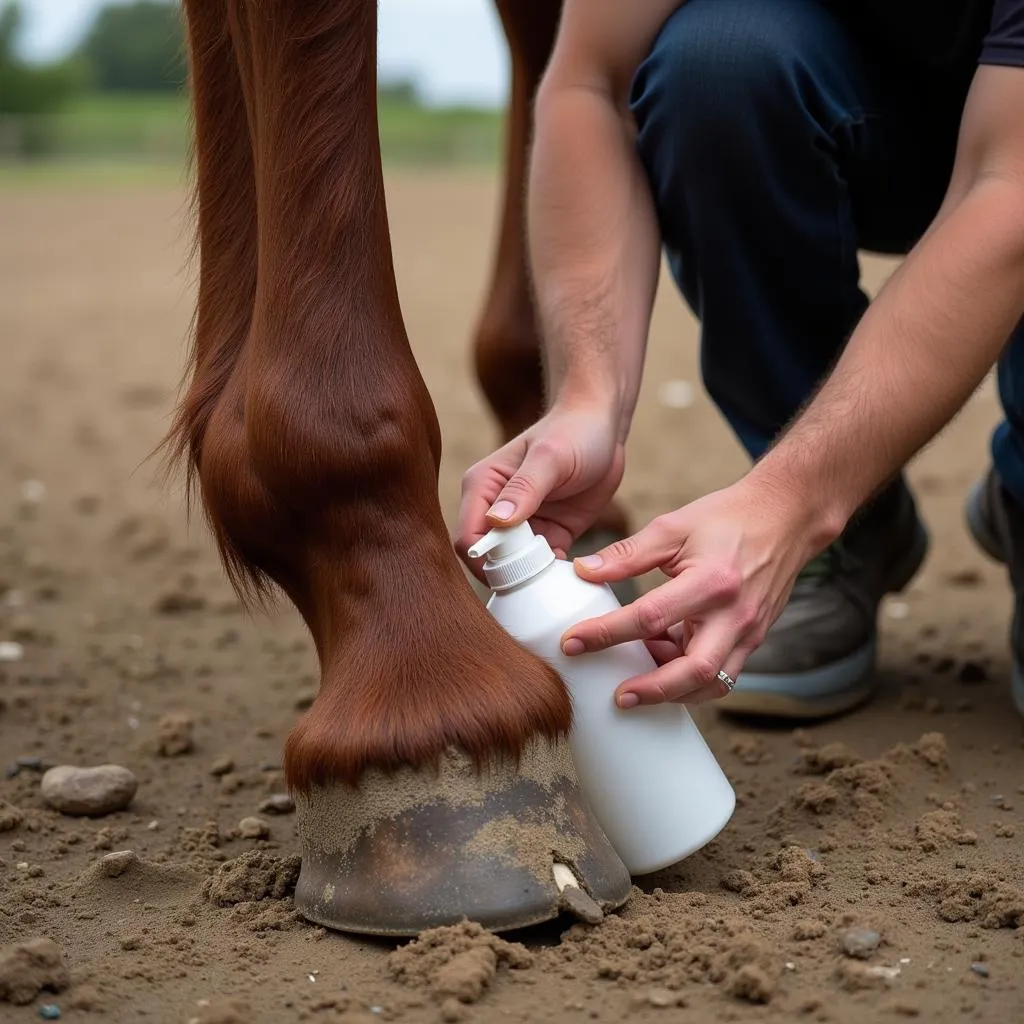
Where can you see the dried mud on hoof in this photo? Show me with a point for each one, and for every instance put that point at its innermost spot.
(419, 849)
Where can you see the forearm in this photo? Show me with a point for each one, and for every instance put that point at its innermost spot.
(924, 345)
(594, 249)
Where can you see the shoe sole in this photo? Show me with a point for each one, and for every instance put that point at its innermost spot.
(831, 689)
(979, 527)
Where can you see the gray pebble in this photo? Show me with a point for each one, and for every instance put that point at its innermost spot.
(254, 828)
(88, 791)
(278, 803)
(980, 969)
(859, 942)
(222, 766)
(117, 863)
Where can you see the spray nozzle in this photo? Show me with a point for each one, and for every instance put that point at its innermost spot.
(502, 541)
(514, 554)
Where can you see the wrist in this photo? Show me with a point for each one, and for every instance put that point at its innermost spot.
(598, 397)
(810, 510)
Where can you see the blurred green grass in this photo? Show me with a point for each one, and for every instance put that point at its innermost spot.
(133, 136)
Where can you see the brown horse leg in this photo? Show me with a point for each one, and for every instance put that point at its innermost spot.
(432, 772)
(225, 206)
(506, 346)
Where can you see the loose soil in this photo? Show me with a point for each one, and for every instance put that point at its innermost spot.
(873, 869)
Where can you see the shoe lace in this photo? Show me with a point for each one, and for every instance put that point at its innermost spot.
(834, 561)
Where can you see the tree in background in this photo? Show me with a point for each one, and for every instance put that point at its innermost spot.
(27, 88)
(137, 48)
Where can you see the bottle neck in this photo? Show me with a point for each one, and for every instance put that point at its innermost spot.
(519, 567)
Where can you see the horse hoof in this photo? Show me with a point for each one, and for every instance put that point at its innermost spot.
(503, 847)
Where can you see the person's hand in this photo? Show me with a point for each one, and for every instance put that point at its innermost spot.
(733, 557)
(559, 474)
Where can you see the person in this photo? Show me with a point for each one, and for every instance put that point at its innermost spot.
(761, 145)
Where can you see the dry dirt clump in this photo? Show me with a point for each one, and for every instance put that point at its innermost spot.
(672, 943)
(27, 968)
(982, 897)
(942, 828)
(458, 963)
(175, 735)
(10, 816)
(253, 876)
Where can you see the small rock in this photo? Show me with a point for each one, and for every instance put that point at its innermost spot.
(117, 863)
(859, 942)
(661, 997)
(49, 1011)
(177, 602)
(254, 828)
(89, 791)
(278, 803)
(452, 1011)
(10, 816)
(222, 766)
(980, 969)
(31, 764)
(26, 968)
(972, 672)
(304, 698)
(174, 735)
(10, 650)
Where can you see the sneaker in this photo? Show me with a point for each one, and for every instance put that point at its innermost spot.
(996, 522)
(818, 659)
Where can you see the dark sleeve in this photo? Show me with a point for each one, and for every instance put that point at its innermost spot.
(1004, 43)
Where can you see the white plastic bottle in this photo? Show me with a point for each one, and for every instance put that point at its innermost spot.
(650, 778)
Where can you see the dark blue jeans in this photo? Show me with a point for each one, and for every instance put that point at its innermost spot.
(778, 144)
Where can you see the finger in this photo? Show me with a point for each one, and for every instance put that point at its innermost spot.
(693, 593)
(714, 641)
(663, 650)
(645, 550)
(481, 485)
(541, 471)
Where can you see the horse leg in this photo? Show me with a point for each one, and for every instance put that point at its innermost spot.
(432, 772)
(225, 207)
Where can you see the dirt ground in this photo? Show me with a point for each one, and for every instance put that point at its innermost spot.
(903, 819)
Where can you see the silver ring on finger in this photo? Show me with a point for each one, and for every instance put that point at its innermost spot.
(726, 680)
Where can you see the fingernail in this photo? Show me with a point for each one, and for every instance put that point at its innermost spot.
(573, 646)
(502, 510)
(627, 700)
(590, 561)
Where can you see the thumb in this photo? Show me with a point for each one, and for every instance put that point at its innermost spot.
(538, 475)
(648, 549)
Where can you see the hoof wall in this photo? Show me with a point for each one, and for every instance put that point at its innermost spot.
(419, 849)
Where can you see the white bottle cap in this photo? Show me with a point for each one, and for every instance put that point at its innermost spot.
(514, 554)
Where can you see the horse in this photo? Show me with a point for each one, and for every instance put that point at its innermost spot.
(432, 774)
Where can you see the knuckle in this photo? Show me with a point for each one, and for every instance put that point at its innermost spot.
(746, 617)
(651, 616)
(703, 671)
(624, 550)
(549, 449)
(662, 527)
(520, 484)
(725, 582)
(603, 635)
(470, 478)
(756, 636)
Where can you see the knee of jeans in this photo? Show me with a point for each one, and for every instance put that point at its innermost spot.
(717, 76)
